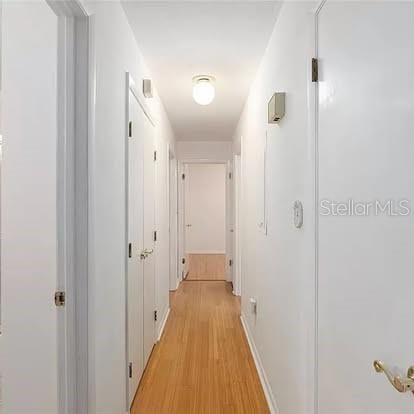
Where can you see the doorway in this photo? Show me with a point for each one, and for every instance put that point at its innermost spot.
(205, 221)
(140, 295)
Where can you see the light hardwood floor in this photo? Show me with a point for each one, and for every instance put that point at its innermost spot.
(206, 267)
(203, 364)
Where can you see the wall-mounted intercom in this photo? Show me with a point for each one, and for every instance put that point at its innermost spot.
(147, 88)
(276, 107)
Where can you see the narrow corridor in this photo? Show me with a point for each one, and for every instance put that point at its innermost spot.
(255, 158)
(202, 363)
(207, 267)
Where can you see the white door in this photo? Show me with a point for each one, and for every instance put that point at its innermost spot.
(135, 246)
(366, 154)
(149, 244)
(174, 271)
(205, 209)
(29, 209)
(237, 226)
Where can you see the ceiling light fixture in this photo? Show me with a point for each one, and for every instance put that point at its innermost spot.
(203, 89)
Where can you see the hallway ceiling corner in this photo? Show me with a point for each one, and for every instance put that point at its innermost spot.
(182, 39)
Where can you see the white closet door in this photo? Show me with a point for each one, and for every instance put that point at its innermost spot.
(29, 208)
(366, 153)
(135, 247)
(148, 136)
(205, 209)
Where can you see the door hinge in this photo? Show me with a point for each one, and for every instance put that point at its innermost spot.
(129, 250)
(130, 129)
(183, 260)
(155, 316)
(230, 262)
(130, 370)
(60, 298)
(155, 236)
(155, 155)
(229, 175)
(315, 70)
(183, 176)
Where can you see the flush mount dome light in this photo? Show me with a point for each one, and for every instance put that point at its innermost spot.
(203, 89)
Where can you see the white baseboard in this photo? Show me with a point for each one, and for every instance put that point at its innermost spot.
(270, 398)
(177, 285)
(236, 292)
(164, 321)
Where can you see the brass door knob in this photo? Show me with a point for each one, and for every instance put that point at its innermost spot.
(145, 253)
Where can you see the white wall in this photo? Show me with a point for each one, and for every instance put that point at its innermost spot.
(277, 267)
(116, 52)
(203, 150)
(205, 208)
(1, 144)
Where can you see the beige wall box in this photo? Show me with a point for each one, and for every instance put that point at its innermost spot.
(276, 107)
(147, 88)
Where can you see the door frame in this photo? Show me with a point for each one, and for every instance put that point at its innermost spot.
(182, 164)
(313, 111)
(173, 219)
(237, 235)
(75, 110)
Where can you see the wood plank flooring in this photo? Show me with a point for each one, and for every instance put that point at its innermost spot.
(206, 267)
(203, 364)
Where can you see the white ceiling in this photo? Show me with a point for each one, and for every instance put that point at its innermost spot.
(181, 39)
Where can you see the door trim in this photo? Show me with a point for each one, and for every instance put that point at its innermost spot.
(237, 228)
(228, 212)
(74, 132)
(129, 87)
(313, 88)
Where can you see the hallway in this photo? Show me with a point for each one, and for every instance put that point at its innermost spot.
(206, 207)
(202, 363)
(206, 267)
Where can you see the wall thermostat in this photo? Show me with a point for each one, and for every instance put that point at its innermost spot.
(298, 214)
(276, 108)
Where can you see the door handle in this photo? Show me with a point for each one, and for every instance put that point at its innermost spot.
(145, 253)
(400, 384)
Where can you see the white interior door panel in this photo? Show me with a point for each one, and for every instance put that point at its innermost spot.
(135, 246)
(205, 208)
(148, 136)
(366, 152)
